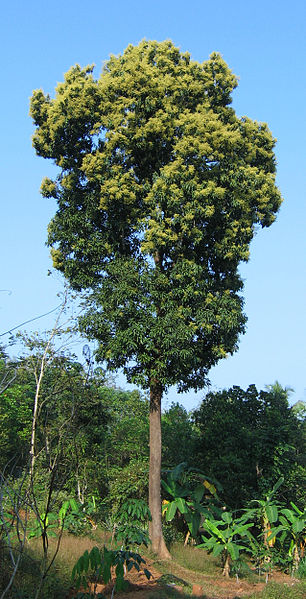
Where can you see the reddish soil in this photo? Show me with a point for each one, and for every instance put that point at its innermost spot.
(204, 586)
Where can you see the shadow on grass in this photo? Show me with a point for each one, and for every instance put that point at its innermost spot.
(297, 590)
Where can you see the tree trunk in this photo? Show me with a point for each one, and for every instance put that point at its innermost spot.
(155, 527)
(296, 558)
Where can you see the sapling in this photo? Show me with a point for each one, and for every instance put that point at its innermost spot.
(131, 520)
(101, 563)
(228, 537)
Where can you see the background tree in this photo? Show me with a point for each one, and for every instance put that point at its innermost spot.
(7, 370)
(125, 451)
(15, 424)
(160, 188)
(179, 437)
(296, 481)
(248, 440)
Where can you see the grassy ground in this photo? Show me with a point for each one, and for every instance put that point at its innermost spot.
(58, 581)
(171, 580)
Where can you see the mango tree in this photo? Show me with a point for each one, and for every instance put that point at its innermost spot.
(159, 191)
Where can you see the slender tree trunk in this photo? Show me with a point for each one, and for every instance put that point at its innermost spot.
(226, 567)
(155, 527)
(296, 558)
(38, 378)
(39, 373)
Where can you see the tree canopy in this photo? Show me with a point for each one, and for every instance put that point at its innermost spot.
(160, 188)
(248, 439)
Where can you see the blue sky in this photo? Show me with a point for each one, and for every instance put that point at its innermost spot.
(264, 44)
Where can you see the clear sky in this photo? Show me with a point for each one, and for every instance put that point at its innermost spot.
(264, 43)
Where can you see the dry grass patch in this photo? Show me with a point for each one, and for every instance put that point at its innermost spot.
(71, 547)
(59, 577)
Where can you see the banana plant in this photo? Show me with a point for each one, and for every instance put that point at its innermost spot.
(185, 500)
(292, 528)
(266, 512)
(228, 537)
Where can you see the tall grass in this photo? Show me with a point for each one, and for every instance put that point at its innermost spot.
(58, 580)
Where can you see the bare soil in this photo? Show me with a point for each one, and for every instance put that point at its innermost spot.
(201, 585)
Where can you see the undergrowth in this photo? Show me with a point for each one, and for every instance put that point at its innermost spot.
(275, 590)
(188, 566)
(28, 574)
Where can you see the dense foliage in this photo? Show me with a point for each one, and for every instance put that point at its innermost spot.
(245, 439)
(248, 439)
(92, 460)
(160, 188)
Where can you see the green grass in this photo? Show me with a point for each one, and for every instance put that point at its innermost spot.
(195, 559)
(167, 593)
(198, 560)
(297, 590)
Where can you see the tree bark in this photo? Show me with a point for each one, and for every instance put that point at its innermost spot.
(155, 527)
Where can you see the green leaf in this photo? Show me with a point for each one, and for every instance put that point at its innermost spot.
(277, 485)
(196, 519)
(95, 557)
(217, 549)
(233, 551)
(274, 532)
(298, 511)
(181, 505)
(299, 526)
(106, 570)
(199, 492)
(74, 506)
(289, 515)
(272, 513)
(171, 511)
(227, 517)
(63, 510)
(178, 470)
(119, 576)
(169, 489)
(85, 561)
(211, 527)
